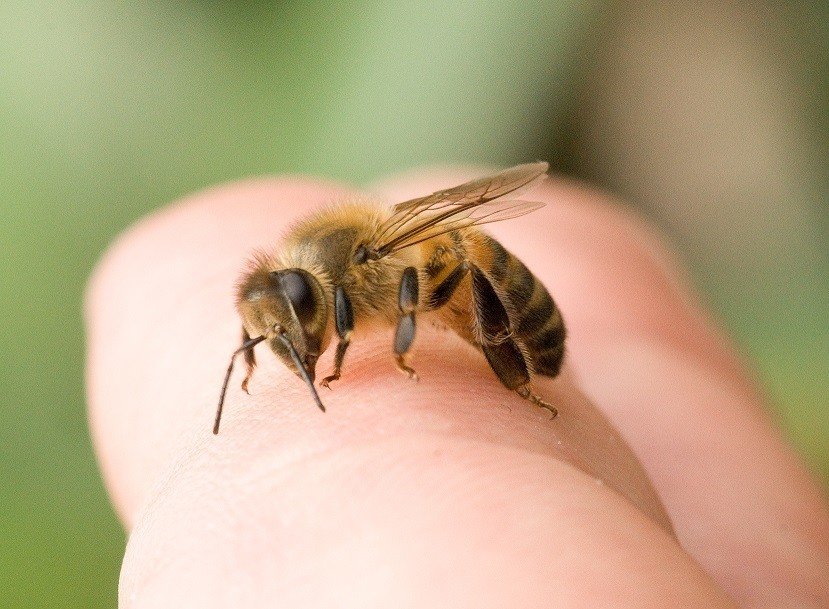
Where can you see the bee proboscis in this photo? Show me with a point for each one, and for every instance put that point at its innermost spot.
(361, 263)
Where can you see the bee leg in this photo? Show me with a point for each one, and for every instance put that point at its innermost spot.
(526, 393)
(501, 351)
(344, 320)
(405, 333)
(400, 360)
(338, 364)
(250, 361)
(444, 290)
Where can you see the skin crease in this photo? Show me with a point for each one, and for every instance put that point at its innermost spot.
(453, 491)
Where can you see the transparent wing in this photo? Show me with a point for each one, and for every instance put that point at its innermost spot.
(480, 201)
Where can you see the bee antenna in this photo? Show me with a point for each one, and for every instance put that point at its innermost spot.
(248, 344)
(301, 367)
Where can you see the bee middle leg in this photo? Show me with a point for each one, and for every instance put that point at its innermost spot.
(444, 290)
(405, 333)
(344, 320)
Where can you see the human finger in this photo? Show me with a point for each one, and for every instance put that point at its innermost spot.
(643, 346)
(280, 479)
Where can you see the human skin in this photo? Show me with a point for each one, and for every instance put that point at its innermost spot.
(663, 482)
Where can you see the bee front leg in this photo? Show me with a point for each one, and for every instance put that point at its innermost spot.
(405, 333)
(344, 320)
(250, 361)
(338, 364)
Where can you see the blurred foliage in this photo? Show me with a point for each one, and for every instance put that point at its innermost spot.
(713, 119)
(111, 109)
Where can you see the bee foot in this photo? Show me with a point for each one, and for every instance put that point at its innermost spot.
(407, 370)
(547, 406)
(525, 393)
(326, 382)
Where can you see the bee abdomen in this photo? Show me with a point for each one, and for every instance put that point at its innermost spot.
(536, 320)
(547, 347)
(540, 327)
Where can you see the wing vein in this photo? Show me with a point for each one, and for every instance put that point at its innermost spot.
(424, 218)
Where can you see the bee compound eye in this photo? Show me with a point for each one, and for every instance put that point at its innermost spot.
(296, 285)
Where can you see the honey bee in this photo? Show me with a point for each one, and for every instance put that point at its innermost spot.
(360, 264)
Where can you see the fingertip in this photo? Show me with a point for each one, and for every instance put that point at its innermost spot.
(408, 521)
(160, 293)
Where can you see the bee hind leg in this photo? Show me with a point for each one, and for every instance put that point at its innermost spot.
(344, 320)
(406, 326)
(501, 351)
(526, 393)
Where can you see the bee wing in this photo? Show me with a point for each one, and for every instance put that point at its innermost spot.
(474, 203)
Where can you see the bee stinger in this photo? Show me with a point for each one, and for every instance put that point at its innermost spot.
(361, 263)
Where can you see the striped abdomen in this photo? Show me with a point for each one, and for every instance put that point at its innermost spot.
(535, 319)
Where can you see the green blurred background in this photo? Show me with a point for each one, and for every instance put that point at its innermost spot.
(711, 119)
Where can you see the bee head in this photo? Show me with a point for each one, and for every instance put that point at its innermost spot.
(291, 302)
